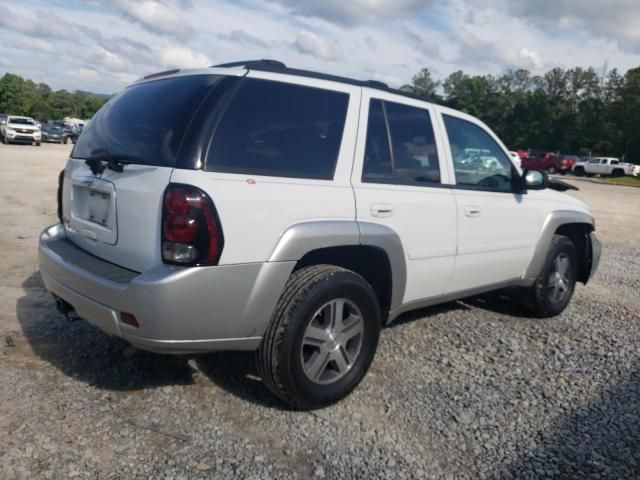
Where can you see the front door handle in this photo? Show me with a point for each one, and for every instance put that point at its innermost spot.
(382, 210)
(472, 211)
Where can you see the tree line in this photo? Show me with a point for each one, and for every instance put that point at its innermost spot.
(569, 111)
(25, 97)
(572, 111)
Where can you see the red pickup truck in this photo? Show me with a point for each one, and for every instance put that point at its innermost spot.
(549, 161)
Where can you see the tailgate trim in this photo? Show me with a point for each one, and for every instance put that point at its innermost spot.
(72, 254)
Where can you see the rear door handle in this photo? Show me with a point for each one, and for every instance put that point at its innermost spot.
(382, 210)
(472, 211)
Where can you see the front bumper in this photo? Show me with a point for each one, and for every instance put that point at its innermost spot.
(23, 138)
(178, 309)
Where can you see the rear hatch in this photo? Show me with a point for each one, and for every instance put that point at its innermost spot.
(116, 215)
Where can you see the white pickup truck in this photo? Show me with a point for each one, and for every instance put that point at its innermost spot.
(609, 166)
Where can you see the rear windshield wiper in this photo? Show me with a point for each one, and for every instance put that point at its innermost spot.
(101, 159)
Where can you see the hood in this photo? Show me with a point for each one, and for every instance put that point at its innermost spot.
(570, 202)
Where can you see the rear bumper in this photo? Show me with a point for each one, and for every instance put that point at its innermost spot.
(178, 309)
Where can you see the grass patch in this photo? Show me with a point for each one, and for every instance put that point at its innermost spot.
(633, 181)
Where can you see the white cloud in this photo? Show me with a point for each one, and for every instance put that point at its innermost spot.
(348, 12)
(103, 45)
(533, 57)
(243, 38)
(312, 44)
(155, 16)
(183, 57)
(615, 20)
(34, 43)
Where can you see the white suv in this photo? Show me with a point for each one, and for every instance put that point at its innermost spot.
(15, 129)
(251, 206)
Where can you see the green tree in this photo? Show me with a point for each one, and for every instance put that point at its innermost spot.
(423, 85)
(24, 97)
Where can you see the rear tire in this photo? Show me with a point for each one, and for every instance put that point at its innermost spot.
(617, 173)
(322, 337)
(65, 141)
(552, 170)
(554, 287)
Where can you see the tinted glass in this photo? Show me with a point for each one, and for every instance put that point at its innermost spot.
(147, 121)
(478, 161)
(377, 158)
(279, 129)
(21, 121)
(413, 158)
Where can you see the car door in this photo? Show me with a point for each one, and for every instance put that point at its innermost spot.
(401, 182)
(497, 228)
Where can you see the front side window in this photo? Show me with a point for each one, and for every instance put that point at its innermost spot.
(279, 129)
(400, 146)
(478, 161)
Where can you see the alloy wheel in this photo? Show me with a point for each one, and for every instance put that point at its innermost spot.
(332, 341)
(560, 278)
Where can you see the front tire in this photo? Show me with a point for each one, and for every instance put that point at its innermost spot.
(322, 337)
(579, 171)
(554, 287)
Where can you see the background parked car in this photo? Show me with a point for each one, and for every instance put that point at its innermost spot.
(54, 134)
(549, 161)
(605, 166)
(16, 129)
(74, 133)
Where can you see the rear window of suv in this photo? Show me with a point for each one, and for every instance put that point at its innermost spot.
(147, 121)
(279, 129)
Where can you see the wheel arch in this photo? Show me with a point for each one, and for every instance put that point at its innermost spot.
(576, 225)
(373, 251)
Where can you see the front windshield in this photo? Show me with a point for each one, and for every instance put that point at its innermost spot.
(21, 121)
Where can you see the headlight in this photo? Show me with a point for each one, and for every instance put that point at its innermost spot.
(10, 131)
(36, 134)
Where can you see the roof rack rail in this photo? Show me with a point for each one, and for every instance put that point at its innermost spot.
(376, 84)
(261, 64)
(266, 65)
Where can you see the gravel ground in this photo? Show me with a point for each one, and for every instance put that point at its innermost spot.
(465, 390)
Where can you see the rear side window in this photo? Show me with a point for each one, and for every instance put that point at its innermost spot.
(413, 156)
(279, 129)
(147, 121)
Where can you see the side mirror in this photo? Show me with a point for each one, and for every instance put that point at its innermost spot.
(535, 179)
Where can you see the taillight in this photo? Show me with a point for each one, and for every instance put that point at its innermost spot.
(191, 233)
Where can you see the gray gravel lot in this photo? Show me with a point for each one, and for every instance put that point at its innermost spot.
(465, 390)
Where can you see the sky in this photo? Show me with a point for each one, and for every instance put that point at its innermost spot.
(101, 46)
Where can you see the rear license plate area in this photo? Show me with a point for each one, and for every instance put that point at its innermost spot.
(93, 210)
